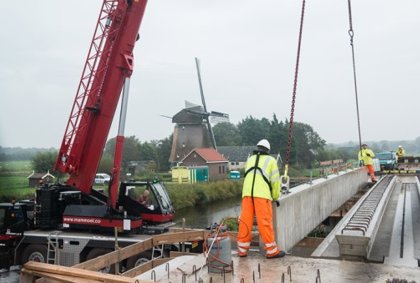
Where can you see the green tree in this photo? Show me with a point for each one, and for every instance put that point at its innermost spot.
(226, 134)
(163, 153)
(44, 161)
(106, 164)
(306, 144)
(130, 151)
(252, 130)
(147, 150)
(278, 136)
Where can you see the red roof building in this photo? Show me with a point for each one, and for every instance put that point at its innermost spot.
(209, 157)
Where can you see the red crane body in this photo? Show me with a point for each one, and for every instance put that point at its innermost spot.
(106, 75)
(109, 63)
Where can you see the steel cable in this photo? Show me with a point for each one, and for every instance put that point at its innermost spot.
(351, 34)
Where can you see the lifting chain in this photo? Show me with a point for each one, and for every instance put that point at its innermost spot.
(285, 180)
(351, 34)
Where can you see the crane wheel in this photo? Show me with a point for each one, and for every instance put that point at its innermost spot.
(37, 253)
(139, 259)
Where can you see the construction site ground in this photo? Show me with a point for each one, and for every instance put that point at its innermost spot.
(256, 268)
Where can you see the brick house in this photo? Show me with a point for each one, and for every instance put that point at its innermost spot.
(209, 157)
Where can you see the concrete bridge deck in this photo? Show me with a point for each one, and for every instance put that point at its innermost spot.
(308, 205)
(393, 233)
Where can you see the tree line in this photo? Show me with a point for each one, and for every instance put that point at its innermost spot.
(308, 148)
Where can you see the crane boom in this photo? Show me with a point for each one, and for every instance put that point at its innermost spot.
(108, 64)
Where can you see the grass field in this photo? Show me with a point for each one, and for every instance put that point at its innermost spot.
(14, 180)
(23, 168)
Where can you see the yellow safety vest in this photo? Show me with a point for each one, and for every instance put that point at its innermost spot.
(400, 152)
(267, 177)
(363, 155)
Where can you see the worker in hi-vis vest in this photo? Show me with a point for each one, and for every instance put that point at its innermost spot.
(261, 187)
(400, 151)
(366, 158)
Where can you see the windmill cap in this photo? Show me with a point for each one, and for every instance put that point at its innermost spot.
(264, 143)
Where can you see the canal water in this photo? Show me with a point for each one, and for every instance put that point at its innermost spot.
(202, 216)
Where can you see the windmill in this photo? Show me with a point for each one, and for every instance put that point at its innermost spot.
(193, 127)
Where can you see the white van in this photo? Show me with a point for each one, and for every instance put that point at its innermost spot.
(102, 178)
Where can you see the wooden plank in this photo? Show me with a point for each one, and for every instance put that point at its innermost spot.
(145, 267)
(170, 238)
(53, 278)
(173, 254)
(138, 269)
(76, 273)
(177, 230)
(115, 256)
(159, 261)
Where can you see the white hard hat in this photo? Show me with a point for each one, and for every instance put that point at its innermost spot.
(400, 146)
(264, 143)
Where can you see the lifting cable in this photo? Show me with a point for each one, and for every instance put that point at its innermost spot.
(285, 179)
(351, 33)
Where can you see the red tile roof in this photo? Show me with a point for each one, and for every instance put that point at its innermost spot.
(209, 154)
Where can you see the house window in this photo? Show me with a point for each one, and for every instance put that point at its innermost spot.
(232, 163)
(222, 169)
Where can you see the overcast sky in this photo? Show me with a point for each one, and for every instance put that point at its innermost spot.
(247, 51)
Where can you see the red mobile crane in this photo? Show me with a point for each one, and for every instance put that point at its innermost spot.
(108, 66)
(106, 73)
(31, 231)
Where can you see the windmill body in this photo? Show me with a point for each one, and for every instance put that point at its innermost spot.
(191, 131)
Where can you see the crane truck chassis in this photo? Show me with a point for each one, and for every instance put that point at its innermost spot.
(24, 237)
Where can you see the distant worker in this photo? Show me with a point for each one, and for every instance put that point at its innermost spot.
(365, 158)
(400, 151)
(261, 187)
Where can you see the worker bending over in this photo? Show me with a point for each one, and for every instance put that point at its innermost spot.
(366, 158)
(261, 187)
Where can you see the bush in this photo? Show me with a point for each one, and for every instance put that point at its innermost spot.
(187, 195)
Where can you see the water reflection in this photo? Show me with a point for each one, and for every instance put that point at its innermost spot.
(201, 216)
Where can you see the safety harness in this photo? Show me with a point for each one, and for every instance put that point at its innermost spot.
(255, 168)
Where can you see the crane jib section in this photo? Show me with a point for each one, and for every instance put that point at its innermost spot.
(109, 62)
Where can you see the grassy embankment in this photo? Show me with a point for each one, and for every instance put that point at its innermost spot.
(14, 186)
(14, 181)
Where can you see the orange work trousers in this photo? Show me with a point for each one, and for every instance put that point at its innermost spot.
(371, 172)
(262, 208)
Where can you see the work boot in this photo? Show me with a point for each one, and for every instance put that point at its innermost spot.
(280, 254)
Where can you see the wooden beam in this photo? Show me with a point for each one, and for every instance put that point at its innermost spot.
(174, 254)
(159, 261)
(53, 278)
(115, 256)
(170, 238)
(145, 267)
(50, 270)
(137, 248)
(138, 269)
